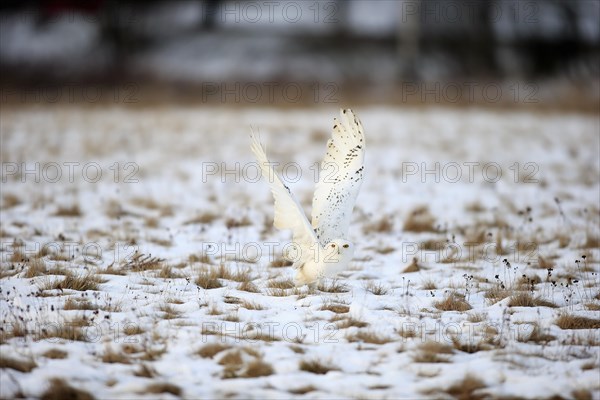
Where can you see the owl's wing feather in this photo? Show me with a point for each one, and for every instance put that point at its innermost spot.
(340, 179)
(288, 212)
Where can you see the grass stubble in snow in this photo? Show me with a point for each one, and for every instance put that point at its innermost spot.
(146, 283)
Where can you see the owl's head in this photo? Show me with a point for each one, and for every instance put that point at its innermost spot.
(339, 250)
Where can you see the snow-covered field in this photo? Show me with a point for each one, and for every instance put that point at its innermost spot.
(150, 267)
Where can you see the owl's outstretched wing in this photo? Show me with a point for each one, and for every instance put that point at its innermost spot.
(340, 179)
(288, 212)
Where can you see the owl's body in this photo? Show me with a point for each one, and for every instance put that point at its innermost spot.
(334, 258)
(324, 250)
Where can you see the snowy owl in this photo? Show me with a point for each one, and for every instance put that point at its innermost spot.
(321, 248)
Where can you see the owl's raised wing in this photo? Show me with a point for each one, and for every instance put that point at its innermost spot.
(288, 212)
(340, 179)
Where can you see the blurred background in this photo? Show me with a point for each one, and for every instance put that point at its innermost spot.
(536, 53)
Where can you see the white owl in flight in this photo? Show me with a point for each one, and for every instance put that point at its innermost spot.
(322, 247)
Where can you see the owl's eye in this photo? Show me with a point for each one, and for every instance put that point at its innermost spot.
(346, 246)
(333, 245)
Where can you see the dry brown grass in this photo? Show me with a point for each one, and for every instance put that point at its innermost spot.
(473, 345)
(385, 250)
(68, 211)
(258, 334)
(476, 317)
(582, 394)
(496, 294)
(250, 305)
(160, 241)
(208, 279)
(237, 222)
(10, 200)
(433, 244)
(420, 220)
(145, 202)
(55, 354)
(525, 299)
(368, 337)
(593, 306)
(71, 330)
(18, 365)
(162, 387)
(204, 218)
(111, 269)
(332, 286)
(167, 272)
(343, 322)
(413, 267)
(199, 258)
(79, 303)
(18, 256)
(58, 389)
(35, 267)
(278, 292)
(152, 222)
(60, 256)
(469, 388)
(241, 275)
(452, 302)
(280, 263)
(13, 328)
(111, 356)
(297, 349)
(174, 300)
(568, 321)
(534, 335)
(526, 282)
(210, 350)
(232, 300)
(281, 284)
(475, 207)
(143, 262)
(407, 332)
(316, 367)
(433, 352)
(257, 368)
(169, 311)
(233, 357)
(376, 288)
(335, 307)
(234, 366)
(591, 241)
(145, 371)
(154, 351)
(544, 263)
(302, 390)
(232, 317)
(131, 329)
(428, 284)
(248, 287)
(80, 283)
(383, 225)
(8, 270)
(214, 310)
